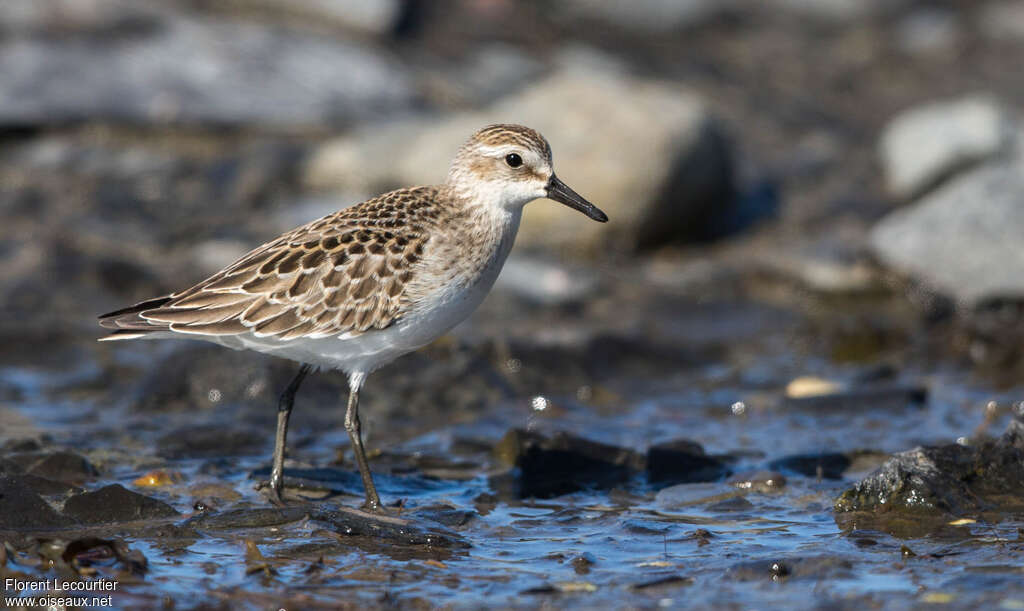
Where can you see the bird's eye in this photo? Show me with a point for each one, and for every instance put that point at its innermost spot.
(513, 160)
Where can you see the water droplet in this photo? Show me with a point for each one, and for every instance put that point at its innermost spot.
(963, 441)
(739, 408)
(539, 403)
(214, 395)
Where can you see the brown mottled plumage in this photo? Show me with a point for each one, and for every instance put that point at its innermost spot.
(358, 288)
(344, 273)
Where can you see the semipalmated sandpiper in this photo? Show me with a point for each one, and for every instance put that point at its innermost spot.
(356, 289)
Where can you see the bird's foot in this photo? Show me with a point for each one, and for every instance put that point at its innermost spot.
(272, 493)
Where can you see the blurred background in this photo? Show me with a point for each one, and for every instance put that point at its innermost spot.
(807, 198)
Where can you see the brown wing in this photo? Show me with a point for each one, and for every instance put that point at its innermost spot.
(345, 273)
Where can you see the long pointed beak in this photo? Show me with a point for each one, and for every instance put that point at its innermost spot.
(561, 193)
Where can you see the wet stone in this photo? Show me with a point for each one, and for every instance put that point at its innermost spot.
(64, 467)
(663, 583)
(21, 507)
(775, 569)
(952, 479)
(346, 521)
(193, 442)
(115, 503)
(825, 465)
(683, 461)
(564, 463)
(875, 397)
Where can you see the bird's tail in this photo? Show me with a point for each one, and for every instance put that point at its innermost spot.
(128, 323)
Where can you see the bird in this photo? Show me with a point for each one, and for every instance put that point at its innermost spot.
(358, 288)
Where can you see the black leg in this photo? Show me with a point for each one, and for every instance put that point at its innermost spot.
(354, 434)
(284, 410)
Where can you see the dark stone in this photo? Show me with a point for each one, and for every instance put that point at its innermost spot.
(21, 508)
(346, 522)
(826, 465)
(775, 569)
(115, 503)
(64, 467)
(880, 397)
(683, 461)
(945, 480)
(564, 463)
(663, 583)
(201, 441)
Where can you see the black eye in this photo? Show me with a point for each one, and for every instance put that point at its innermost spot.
(513, 160)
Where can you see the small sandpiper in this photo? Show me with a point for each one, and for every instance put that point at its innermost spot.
(356, 289)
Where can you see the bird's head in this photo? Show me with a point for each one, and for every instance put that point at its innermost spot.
(509, 166)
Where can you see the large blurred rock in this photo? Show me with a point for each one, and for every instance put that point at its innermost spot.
(1002, 20)
(177, 69)
(371, 16)
(646, 152)
(925, 144)
(645, 15)
(838, 11)
(964, 239)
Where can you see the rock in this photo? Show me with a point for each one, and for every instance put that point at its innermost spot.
(63, 17)
(830, 567)
(682, 496)
(828, 465)
(859, 398)
(63, 467)
(490, 72)
(758, 481)
(929, 30)
(838, 12)
(564, 463)
(948, 480)
(370, 16)
(961, 240)
(200, 441)
(682, 461)
(115, 503)
(546, 283)
(1002, 20)
(184, 70)
(21, 508)
(923, 145)
(684, 186)
(645, 16)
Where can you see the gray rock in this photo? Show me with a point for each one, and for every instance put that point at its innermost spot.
(929, 31)
(1002, 20)
(654, 16)
(546, 283)
(188, 71)
(964, 239)
(115, 503)
(657, 180)
(925, 144)
(76, 16)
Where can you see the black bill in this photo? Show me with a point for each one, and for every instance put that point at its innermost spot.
(561, 193)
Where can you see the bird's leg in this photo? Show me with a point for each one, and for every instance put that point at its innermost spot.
(354, 434)
(284, 410)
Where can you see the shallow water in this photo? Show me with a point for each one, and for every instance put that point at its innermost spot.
(706, 544)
